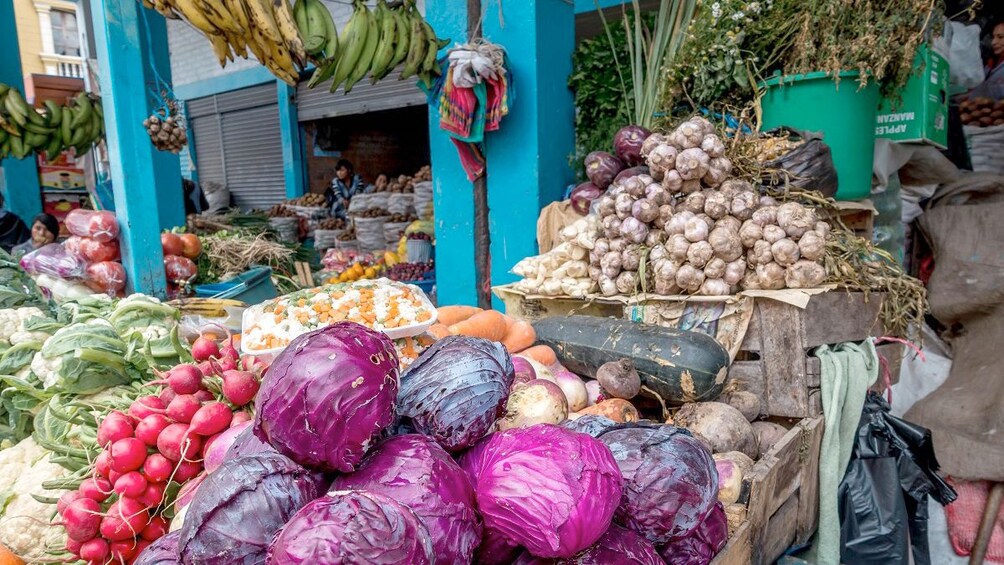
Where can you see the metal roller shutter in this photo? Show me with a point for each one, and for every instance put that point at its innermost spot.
(318, 103)
(238, 143)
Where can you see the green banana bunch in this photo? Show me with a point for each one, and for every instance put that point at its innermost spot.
(23, 129)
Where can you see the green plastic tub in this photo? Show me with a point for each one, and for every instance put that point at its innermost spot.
(252, 287)
(844, 113)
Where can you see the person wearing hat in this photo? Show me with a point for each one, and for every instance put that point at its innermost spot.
(44, 230)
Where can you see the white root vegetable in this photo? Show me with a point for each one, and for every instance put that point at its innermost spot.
(688, 135)
(750, 281)
(622, 205)
(618, 244)
(715, 269)
(796, 219)
(651, 142)
(743, 401)
(765, 216)
(633, 229)
(696, 229)
(665, 277)
(537, 402)
(654, 237)
(677, 224)
(804, 274)
(656, 194)
(744, 204)
(605, 206)
(716, 205)
(760, 253)
(594, 393)
(677, 246)
(712, 145)
(689, 278)
(733, 187)
(719, 170)
(611, 264)
(692, 163)
(750, 233)
(734, 272)
(665, 215)
(811, 246)
(768, 434)
(627, 282)
(725, 243)
(699, 253)
(770, 276)
(607, 286)
(707, 220)
(767, 201)
(645, 210)
(729, 222)
(595, 272)
(732, 467)
(785, 252)
(658, 253)
(631, 257)
(722, 425)
(823, 229)
(715, 287)
(694, 202)
(574, 389)
(672, 181)
(773, 234)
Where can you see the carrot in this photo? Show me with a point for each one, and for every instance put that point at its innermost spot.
(449, 315)
(542, 354)
(519, 337)
(439, 331)
(7, 557)
(488, 324)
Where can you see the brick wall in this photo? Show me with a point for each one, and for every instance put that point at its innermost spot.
(392, 142)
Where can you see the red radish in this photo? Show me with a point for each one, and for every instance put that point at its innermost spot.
(141, 544)
(156, 529)
(239, 387)
(94, 550)
(228, 350)
(212, 418)
(185, 379)
(167, 395)
(186, 471)
(253, 364)
(183, 407)
(176, 443)
(123, 551)
(103, 463)
(131, 484)
(228, 364)
(127, 455)
(113, 476)
(150, 427)
(114, 427)
(239, 418)
(144, 406)
(125, 519)
(73, 546)
(208, 368)
(157, 468)
(96, 488)
(204, 348)
(82, 517)
(68, 497)
(204, 396)
(153, 495)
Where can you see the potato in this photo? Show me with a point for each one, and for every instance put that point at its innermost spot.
(724, 426)
(744, 401)
(616, 409)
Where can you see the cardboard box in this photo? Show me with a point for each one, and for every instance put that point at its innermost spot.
(921, 116)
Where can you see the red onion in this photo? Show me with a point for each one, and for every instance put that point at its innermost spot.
(583, 195)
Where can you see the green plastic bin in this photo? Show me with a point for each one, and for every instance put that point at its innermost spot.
(844, 113)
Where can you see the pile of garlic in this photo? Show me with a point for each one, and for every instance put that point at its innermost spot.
(564, 270)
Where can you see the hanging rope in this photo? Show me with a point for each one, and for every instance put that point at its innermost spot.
(165, 102)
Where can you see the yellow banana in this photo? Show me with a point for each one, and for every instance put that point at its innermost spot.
(221, 48)
(283, 16)
(193, 14)
(260, 12)
(354, 37)
(218, 15)
(240, 15)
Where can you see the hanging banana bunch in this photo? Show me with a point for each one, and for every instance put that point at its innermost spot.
(265, 28)
(24, 130)
(372, 42)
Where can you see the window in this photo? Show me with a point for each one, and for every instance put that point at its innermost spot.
(65, 40)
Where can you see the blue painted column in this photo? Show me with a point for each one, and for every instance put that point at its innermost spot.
(528, 157)
(145, 183)
(292, 146)
(18, 177)
(453, 196)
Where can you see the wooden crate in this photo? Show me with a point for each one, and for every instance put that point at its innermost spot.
(857, 216)
(781, 495)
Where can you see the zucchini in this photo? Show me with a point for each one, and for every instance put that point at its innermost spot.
(680, 366)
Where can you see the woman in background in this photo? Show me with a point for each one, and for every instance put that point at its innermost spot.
(344, 186)
(44, 230)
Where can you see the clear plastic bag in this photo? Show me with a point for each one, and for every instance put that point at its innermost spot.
(101, 226)
(53, 260)
(108, 277)
(91, 250)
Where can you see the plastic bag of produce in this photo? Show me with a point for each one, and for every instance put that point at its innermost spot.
(106, 276)
(101, 226)
(53, 259)
(401, 203)
(91, 250)
(370, 233)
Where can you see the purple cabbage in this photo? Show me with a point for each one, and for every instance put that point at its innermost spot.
(239, 508)
(602, 167)
(590, 424)
(164, 551)
(627, 144)
(671, 482)
(415, 471)
(583, 195)
(353, 527)
(617, 545)
(328, 396)
(545, 488)
(456, 390)
(247, 443)
(703, 544)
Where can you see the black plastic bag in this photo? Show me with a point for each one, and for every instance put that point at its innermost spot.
(883, 496)
(808, 166)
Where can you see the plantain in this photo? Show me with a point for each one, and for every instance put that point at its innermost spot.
(55, 114)
(83, 110)
(330, 30)
(221, 48)
(240, 15)
(260, 13)
(369, 51)
(283, 16)
(191, 12)
(17, 108)
(354, 37)
(402, 28)
(218, 15)
(432, 49)
(417, 49)
(385, 47)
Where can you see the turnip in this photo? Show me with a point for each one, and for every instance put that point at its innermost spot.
(536, 402)
(157, 468)
(149, 428)
(732, 467)
(185, 379)
(619, 379)
(124, 520)
(204, 349)
(594, 393)
(183, 407)
(524, 371)
(82, 519)
(574, 389)
(94, 550)
(768, 434)
(187, 491)
(144, 406)
(127, 454)
(239, 387)
(131, 484)
(725, 428)
(114, 427)
(156, 529)
(176, 443)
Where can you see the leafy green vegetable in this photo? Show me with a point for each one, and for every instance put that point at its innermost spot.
(16, 287)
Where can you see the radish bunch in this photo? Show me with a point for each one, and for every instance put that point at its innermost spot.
(160, 440)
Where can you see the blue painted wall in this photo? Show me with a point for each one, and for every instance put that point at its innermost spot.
(528, 157)
(453, 195)
(590, 5)
(18, 177)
